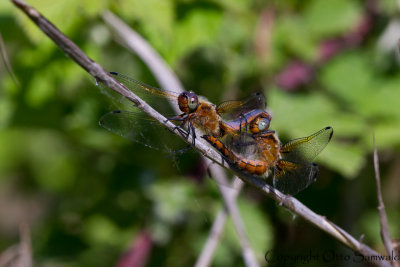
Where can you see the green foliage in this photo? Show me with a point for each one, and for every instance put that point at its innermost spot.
(100, 190)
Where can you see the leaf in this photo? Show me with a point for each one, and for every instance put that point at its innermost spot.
(354, 88)
(98, 229)
(41, 89)
(171, 200)
(199, 28)
(156, 21)
(346, 159)
(387, 135)
(326, 18)
(59, 13)
(291, 35)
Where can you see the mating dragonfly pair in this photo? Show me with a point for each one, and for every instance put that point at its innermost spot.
(239, 130)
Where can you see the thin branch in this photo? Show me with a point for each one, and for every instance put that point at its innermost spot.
(217, 228)
(20, 254)
(287, 201)
(10, 256)
(25, 246)
(169, 81)
(7, 61)
(385, 233)
(230, 205)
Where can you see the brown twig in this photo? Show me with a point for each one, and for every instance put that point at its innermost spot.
(385, 233)
(289, 202)
(217, 228)
(232, 208)
(7, 61)
(169, 81)
(25, 245)
(19, 254)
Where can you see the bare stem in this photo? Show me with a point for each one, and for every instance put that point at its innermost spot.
(385, 233)
(287, 201)
(217, 228)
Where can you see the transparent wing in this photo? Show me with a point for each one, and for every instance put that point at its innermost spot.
(139, 87)
(138, 127)
(291, 178)
(234, 108)
(307, 148)
(243, 144)
(148, 93)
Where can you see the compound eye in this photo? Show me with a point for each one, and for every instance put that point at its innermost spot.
(193, 101)
(263, 124)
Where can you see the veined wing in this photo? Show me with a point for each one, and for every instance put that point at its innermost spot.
(140, 128)
(243, 144)
(291, 178)
(307, 148)
(139, 87)
(234, 108)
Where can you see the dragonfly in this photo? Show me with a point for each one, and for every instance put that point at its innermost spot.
(290, 165)
(228, 118)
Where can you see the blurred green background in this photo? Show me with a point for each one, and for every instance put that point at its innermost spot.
(89, 195)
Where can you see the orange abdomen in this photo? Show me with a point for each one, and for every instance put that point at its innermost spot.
(256, 167)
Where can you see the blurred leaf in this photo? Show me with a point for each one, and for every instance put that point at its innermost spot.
(52, 161)
(171, 200)
(291, 34)
(234, 6)
(388, 7)
(59, 13)
(42, 88)
(156, 20)
(6, 110)
(387, 135)
(101, 230)
(350, 88)
(198, 29)
(324, 18)
(346, 159)
(93, 7)
(11, 149)
(300, 115)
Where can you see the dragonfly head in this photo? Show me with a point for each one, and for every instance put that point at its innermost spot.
(188, 102)
(260, 123)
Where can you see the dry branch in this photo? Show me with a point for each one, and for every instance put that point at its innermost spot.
(287, 201)
(385, 233)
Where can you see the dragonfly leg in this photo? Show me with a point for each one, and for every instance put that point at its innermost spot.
(189, 127)
(180, 117)
(191, 131)
(181, 131)
(194, 136)
(184, 118)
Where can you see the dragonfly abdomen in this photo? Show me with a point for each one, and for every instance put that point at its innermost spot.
(256, 167)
